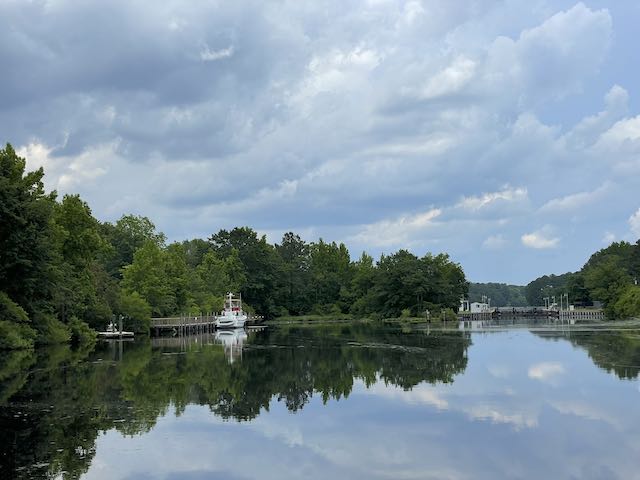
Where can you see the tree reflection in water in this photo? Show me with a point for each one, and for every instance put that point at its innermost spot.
(56, 403)
(615, 352)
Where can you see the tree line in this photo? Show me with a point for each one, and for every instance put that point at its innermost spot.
(610, 276)
(500, 294)
(64, 274)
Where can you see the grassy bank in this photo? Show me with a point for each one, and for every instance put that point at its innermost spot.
(347, 318)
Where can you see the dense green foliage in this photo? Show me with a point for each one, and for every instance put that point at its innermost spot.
(546, 286)
(15, 331)
(610, 277)
(501, 294)
(63, 272)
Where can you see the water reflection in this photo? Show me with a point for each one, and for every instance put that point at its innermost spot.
(52, 415)
(615, 352)
(232, 341)
(421, 404)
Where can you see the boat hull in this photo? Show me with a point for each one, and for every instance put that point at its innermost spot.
(235, 322)
(115, 334)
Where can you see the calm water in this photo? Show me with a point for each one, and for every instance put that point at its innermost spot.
(329, 402)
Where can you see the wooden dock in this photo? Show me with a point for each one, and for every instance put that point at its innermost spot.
(582, 314)
(191, 324)
(534, 313)
(184, 342)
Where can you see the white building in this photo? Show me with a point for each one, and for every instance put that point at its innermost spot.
(477, 307)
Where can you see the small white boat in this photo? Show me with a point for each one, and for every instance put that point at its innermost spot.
(113, 332)
(232, 316)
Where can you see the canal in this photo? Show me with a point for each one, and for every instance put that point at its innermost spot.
(339, 401)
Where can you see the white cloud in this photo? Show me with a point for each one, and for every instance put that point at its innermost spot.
(428, 146)
(546, 371)
(64, 173)
(413, 10)
(576, 200)
(451, 79)
(540, 239)
(623, 132)
(37, 155)
(589, 129)
(487, 412)
(553, 58)
(420, 394)
(494, 242)
(379, 107)
(398, 231)
(507, 194)
(177, 24)
(586, 410)
(87, 166)
(208, 55)
(338, 71)
(608, 238)
(634, 223)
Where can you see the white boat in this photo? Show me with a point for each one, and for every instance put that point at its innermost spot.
(113, 332)
(232, 316)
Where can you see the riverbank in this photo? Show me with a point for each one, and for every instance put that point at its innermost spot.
(347, 318)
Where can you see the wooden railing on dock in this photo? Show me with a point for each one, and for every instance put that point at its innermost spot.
(185, 324)
(536, 313)
(583, 314)
(172, 322)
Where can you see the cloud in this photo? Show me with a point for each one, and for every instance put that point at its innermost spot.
(397, 231)
(586, 410)
(546, 371)
(65, 173)
(420, 394)
(553, 58)
(451, 80)
(352, 121)
(623, 132)
(608, 238)
(208, 55)
(540, 239)
(494, 242)
(634, 223)
(335, 72)
(576, 200)
(620, 145)
(587, 131)
(487, 412)
(506, 195)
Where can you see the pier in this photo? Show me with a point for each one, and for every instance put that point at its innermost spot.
(504, 313)
(191, 324)
(185, 342)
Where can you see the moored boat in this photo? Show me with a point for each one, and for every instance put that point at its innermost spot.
(232, 316)
(113, 332)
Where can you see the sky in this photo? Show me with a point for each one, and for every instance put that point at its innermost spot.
(503, 132)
